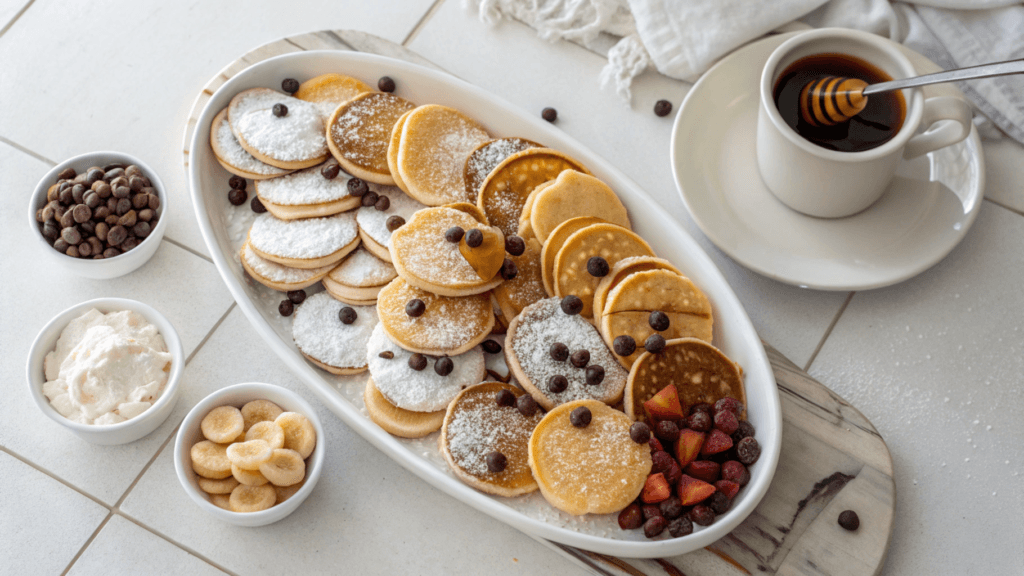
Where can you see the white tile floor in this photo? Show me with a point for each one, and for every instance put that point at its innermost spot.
(934, 362)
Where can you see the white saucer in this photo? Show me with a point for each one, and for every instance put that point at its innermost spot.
(927, 210)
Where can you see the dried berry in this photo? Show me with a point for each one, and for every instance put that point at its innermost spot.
(702, 407)
(718, 502)
(662, 108)
(597, 267)
(631, 517)
(640, 432)
(655, 526)
(508, 270)
(415, 308)
(417, 362)
(658, 320)
(699, 422)
(661, 461)
(731, 404)
(655, 343)
(444, 366)
(297, 296)
(237, 182)
(549, 114)
(386, 84)
(515, 245)
(745, 430)
(557, 384)
(357, 187)
(680, 527)
(474, 238)
(735, 471)
(490, 346)
(394, 223)
(280, 110)
(347, 315)
(285, 308)
(671, 508)
(726, 422)
(701, 515)
(667, 431)
(290, 85)
(454, 234)
(748, 451)
(235, 196)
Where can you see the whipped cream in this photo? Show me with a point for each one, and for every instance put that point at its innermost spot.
(106, 368)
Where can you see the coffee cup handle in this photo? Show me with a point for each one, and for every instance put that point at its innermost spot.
(936, 110)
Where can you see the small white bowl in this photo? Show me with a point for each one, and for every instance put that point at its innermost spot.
(106, 268)
(122, 432)
(237, 395)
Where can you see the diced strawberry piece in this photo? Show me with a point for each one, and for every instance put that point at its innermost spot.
(688, 446)
(665, 405)
(734, 471)
(730, 489)
(726, 421)
(693, 491)
(656, 489)
(705, 470)
(716, 442)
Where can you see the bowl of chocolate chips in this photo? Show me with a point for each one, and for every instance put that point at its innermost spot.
(100, 215)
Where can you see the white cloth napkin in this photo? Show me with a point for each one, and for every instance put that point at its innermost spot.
(683, 38)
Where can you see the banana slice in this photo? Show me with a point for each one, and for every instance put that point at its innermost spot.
(286, 492)
(223, 424)
(252, 498)
(224, 486)
(248, 477)
(210, 460)
(250, 454)
(259, 411)
(285, 468)
(268, 431)
(221, 500)
(299, 434)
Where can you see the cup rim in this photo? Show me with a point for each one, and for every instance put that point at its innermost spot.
(915, 103)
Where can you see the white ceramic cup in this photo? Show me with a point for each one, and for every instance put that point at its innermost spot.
(828, 183)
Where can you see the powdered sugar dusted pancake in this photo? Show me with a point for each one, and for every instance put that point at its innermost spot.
(306, 194)
(295, 140)
(307, 243)
(359, 133)
(233, 157)
(333, 345)
(448, 324)
(278, 276)
(373, 223)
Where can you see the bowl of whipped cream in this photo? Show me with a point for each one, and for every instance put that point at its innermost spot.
(107, 369)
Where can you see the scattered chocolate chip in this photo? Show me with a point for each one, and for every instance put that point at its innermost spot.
(549, 114)
(580, 417)
(631, 517)
(658, 320)
(655, 343)
(386, 84)
(369, 199)
(624, 345)
(280, 110)
(515, 245)
(444, 366)
(748, 451)
(700, 422)
(67, 173)
(330, 170)
(580, 358)
(490, 346)
(347, 315)
(526, 405)
(662, 108)
(382, 204)
(572, 305)
(505, 398)
(257, 205)
(849, 520)
(508, 270)
(290, 85)
(417, 362)
(597, 267)
(387, 355)
(640, 432)
(667, 431)
(236, 197)
(594, 375)
(474, 238)
(496, 461)
(286, 307)
(680, 527)
(559, 352)
(357, 187)
(454, 234)
(557, 384)
(237, 182)
(415, 308)
(394, 223)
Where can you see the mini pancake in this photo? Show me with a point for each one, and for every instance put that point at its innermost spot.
(328, 91)
(504, 192)
(555, 242)
(230, 154)
(425, 259)
(359, 278)
(449, 325)
(307, 243)
(277, 276)
(474, 426)
(573, 194)
(486, 157)
(528, 354)
(701, 373)
(471, 209)
(527, 287)
(525, 226)
(619, 272)
(373, 223)
(435, 142)
(359, 132)
(393, 146)
(293, 141)
(597, 469)
(306, 194)
(611, 242)
(419, 390)
(397, 421)
(328, 342)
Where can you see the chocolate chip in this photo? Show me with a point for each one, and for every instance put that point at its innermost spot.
(67, 173)
(580, 358)
(444, 366)
(415, 308)
(357, 187)
(662, 108)
(658, 320)
(680, 527)
(237, 182)
(103, 189)
(595, 374)
(78, 193)
(290, 85)
(454, 234)
(60, 245)
(394, 223)
(496, 461)
(122, 192)
(597, 267)
(508, 270)
(515, 245)
(73, 251)
(386, 84)
(387, 355)
(111, 252)
(71, 235)
(141, 229)
(557, 384)
(849, 520)
(624, 345)
(297, 296)
(559, 352)
(257, 205)
(671, 508)
(370, 199)
(93, 176)
(136, 184)
(417, 362)
(237, 197)
(526, 405)
(748, 451)
(490, 346)
(128, 219)
(382, 204)
(51, 230)
(84, 249)
(65, 197)
(285, 308)
(580, 417)
(154, 201)
(330, 170)
(124, 205)
(549, 114)
(701, 515)
(81, 213)
(572, 305)
(655, 343)
(505, 398)
(640, 432)
(347, 315)
(474, 238)
(280, 110)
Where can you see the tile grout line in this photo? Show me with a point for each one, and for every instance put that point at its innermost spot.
(87, 543)
(828, 331)
(187, 249)
(49, 474)
(16, 17)
(210, 333)
(423, 21)
(158, 534)
(31, 153)
(1005, 207)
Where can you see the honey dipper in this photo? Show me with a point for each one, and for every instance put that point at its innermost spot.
(831, 100)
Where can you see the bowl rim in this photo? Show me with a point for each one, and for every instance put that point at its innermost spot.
(44, 183)
(36, 375)
(201, 408)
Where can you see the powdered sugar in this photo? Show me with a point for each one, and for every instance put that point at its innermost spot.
(299, 135)
(320, 333)
(363, 131)
(486, 158)
(424, 390)
(478, 426)
(232, 153)
(278, 273)
(542, 324)
(449, 323)
(432, 163)
(303, 187)
(307, 238)
(424, 252)
(373, 222)
(362, 269)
